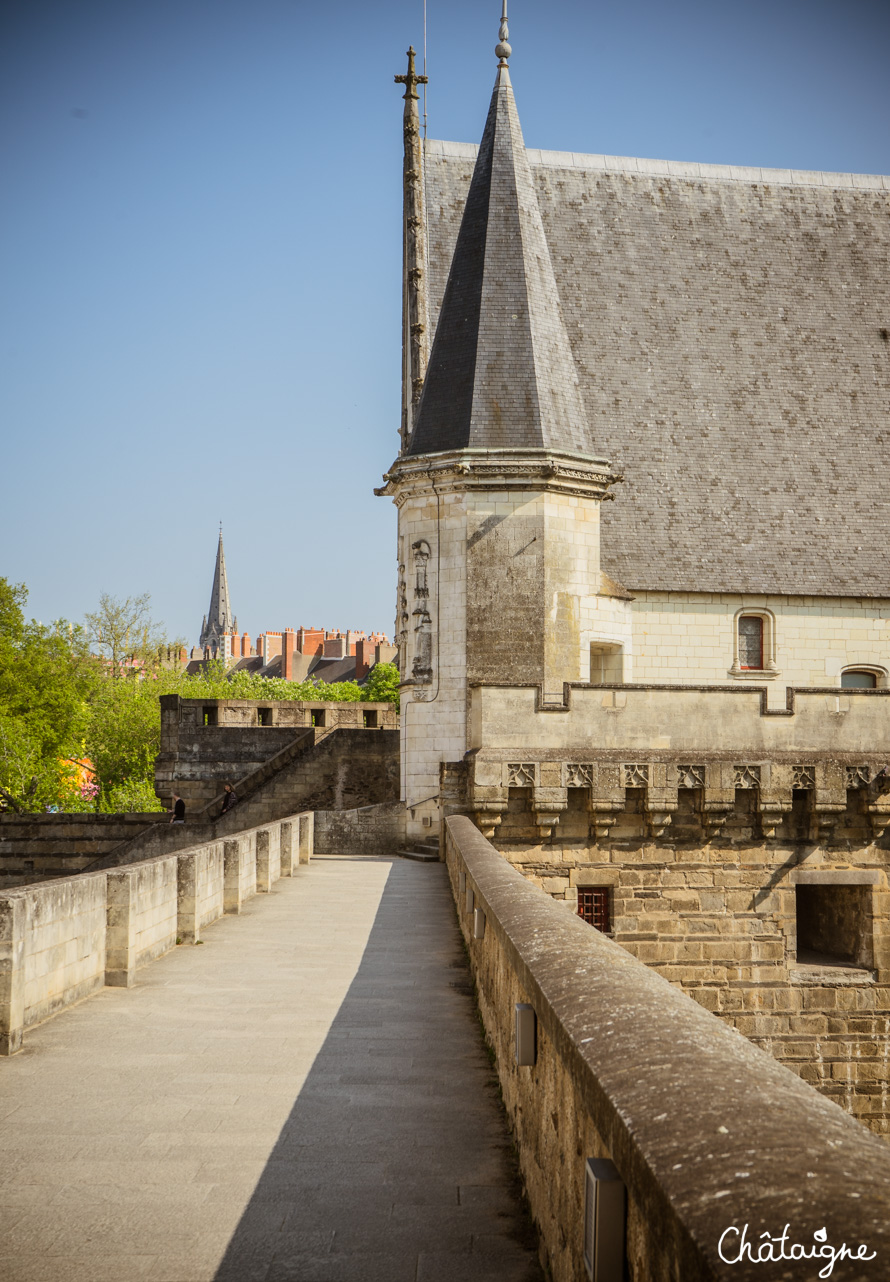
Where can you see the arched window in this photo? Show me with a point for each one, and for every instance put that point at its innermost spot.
(859, 679)
(750, 642)
(754, 644)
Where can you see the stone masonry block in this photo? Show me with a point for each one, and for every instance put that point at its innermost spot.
(12, 973)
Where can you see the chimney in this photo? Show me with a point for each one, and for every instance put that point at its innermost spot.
(287, 655)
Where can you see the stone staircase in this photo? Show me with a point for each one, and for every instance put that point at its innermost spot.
(424, 852)
(337, 769)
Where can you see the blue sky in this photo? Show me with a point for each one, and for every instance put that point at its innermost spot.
(199, 218)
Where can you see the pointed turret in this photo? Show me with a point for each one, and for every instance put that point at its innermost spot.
(501, 373)
(219, 618)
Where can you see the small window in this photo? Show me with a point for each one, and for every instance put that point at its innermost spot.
(833, 924)
(593, 907)
(750, 642)
(264, 716)
(210, 716)
(606, 664)
(369, 720)
(318, 716)
(859, 679)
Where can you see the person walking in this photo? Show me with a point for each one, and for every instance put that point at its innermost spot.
(178, 811)
(230, 799)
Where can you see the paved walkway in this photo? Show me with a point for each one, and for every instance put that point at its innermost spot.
(303, 1098)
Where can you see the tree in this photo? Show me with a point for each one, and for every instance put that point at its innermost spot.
(46, 678)
(124, 630)
(382, 685)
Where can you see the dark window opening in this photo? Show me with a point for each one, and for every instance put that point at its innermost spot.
(859, 679)
(593, 907)
(635, 801)
(264, 716)
(318, 716)
(832, 924)
(369, 720)
(751, 642)
(210, 716)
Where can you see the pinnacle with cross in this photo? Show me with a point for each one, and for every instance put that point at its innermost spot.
(411, 80)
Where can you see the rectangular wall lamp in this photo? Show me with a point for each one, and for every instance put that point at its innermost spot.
(478, 924)
(526, 1040)
(605, 1200)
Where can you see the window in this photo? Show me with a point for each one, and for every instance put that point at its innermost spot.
(593, 907)
(833, 924)
(318, 716)
(606, 664)
(369, 720)
(750, 642)
(859, 679)
(264, 716)
(210, 716)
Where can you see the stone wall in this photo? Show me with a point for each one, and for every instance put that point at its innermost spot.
(368, 830)
(786, 936)
(64, 940)
(206, 743)
(705, 1130)
(35, 847)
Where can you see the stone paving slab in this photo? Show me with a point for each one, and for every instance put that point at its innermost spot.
(302, 1098)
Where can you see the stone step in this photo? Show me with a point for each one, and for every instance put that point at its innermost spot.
(420, 855)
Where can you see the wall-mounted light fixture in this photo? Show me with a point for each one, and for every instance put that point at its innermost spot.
(526, 1048)
(478, 924)
(605, 1200)
(470, 899)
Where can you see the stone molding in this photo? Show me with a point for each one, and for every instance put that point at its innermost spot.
(518, 469)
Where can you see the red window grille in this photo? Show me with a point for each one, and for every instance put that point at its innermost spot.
(593, 906)
(750, 641)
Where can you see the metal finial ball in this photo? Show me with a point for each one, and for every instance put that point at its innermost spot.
(502, 49)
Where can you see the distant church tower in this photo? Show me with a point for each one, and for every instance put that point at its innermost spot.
(219, 619)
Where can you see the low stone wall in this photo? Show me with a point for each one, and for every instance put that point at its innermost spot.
(368, 830)
(37, 847)
(142, 905)
(61, 941)
(708, 1133)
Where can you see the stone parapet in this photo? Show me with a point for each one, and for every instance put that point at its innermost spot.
(618, 1051)
(63, 940)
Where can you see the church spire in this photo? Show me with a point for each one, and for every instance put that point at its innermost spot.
(219, 618)
(415, 311)
(501, 373)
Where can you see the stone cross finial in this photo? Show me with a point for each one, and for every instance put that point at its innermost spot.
(502, 49)
(411, 80)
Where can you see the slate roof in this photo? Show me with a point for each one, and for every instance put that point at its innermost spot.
(501, 373)
(730, 332)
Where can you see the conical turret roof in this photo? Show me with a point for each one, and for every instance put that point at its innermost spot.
(501, 373)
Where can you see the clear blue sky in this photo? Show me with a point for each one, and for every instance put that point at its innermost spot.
(201, 255)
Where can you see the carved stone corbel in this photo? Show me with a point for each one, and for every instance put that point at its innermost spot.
(548, 804)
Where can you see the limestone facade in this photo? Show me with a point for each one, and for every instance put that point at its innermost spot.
(646, 703)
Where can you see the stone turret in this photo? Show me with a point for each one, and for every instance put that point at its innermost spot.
(500, 485)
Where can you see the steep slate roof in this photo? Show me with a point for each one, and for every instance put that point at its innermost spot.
(501, 373)
(729, 329)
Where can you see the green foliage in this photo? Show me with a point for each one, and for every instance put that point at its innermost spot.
(123, 631)
(382, 685)
(59, 704)
(46, 680)
(136, 796)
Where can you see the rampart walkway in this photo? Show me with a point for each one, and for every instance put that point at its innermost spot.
(302, 1098)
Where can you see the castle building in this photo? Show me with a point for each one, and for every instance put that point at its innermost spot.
(643, 607)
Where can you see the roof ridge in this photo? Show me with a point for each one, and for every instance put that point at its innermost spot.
(660, 168)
